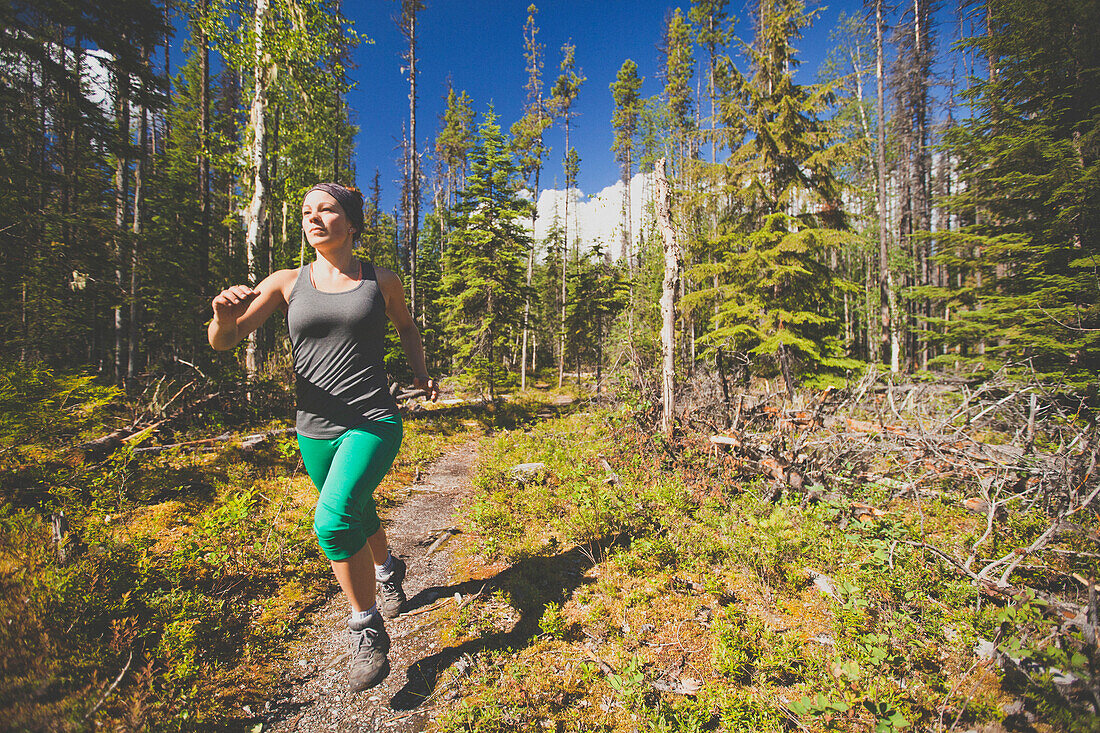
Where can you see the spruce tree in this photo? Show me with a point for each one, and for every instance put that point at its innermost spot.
(1030, 159)
(454, 141)
(563, 95)
(774, 294)
(530, 152)
(628, 104)
(787, 154)
(484, 263)
(777, 297)
(678, 69)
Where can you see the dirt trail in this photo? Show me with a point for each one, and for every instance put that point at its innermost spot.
(315, 695)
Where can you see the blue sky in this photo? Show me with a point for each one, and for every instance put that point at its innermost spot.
(480, 46)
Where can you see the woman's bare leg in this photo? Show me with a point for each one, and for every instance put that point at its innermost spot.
(356, 574)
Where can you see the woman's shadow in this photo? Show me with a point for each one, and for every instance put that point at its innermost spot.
(529, 585)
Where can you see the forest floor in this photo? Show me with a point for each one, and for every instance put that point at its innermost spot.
(883, 557)
(163, 579)
(314, 695)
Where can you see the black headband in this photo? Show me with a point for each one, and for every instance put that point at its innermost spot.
(350, 200)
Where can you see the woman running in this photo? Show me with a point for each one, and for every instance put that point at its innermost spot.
(349, 428)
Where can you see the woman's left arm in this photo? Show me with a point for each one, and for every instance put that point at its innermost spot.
(411, 342)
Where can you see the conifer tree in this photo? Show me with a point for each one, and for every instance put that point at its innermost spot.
(848, 63)
(713, 32)
(777, 297)
(628, 104)
(563, 96)
(530, 152)
(484, 278)
(787, 153)
(547, 294)
(454, 141)
(1030, 158)
(430, 272)
(597, 296)
(678, 69)
(774, 292)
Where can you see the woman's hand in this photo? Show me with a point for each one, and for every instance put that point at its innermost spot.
(231, 303)
(239, 309)
(427, 384)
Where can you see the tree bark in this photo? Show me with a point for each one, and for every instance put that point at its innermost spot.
(673, 257)
(257, 155)
(887, 308)
(139, 193)
(122, 193)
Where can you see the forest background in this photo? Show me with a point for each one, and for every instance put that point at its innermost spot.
(884, 214)
(927, 208)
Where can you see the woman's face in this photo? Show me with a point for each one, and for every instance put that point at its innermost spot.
(323, 221)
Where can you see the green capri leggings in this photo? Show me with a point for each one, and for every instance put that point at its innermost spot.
(346, 470)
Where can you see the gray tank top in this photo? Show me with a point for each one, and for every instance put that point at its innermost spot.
(338, 341)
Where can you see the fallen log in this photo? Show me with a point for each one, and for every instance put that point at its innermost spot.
(104, 446)
(1065, 612)
(247, 441)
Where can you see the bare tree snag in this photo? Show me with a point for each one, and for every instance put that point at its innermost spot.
(887, 306)
(673, 258)
(59, 530)
(407, 24)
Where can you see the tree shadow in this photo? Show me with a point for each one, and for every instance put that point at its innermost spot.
(529, 585)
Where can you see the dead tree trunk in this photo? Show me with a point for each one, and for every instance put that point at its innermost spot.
(887, 308)
(407, 25)
(673, 257)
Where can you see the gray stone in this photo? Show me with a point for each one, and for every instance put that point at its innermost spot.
(985, 649)
(528, 472)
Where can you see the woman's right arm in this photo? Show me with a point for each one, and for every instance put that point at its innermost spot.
(239, 310)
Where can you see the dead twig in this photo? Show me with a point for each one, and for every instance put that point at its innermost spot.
(428, 609)
(111, 689)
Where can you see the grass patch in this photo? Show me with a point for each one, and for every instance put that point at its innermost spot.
(692, 575)
(188, 575)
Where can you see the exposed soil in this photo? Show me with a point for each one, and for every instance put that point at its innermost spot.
(315, 695)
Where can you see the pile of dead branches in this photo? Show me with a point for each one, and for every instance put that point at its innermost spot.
(1000, 447)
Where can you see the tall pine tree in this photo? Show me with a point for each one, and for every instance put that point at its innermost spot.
(484, 263)
(1030, 160)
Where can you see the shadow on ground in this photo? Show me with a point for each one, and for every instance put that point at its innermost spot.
(529, 585)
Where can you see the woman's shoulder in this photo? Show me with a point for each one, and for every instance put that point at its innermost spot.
(385, 274)
(282, 281)
(281, 276)
(387, 279)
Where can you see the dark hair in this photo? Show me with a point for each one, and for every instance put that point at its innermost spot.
(350, 200)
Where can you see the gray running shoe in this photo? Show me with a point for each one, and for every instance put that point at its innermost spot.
(391, 596)
(369, 645)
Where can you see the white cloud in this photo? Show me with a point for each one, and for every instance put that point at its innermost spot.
(97, 79)
(596, 218)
